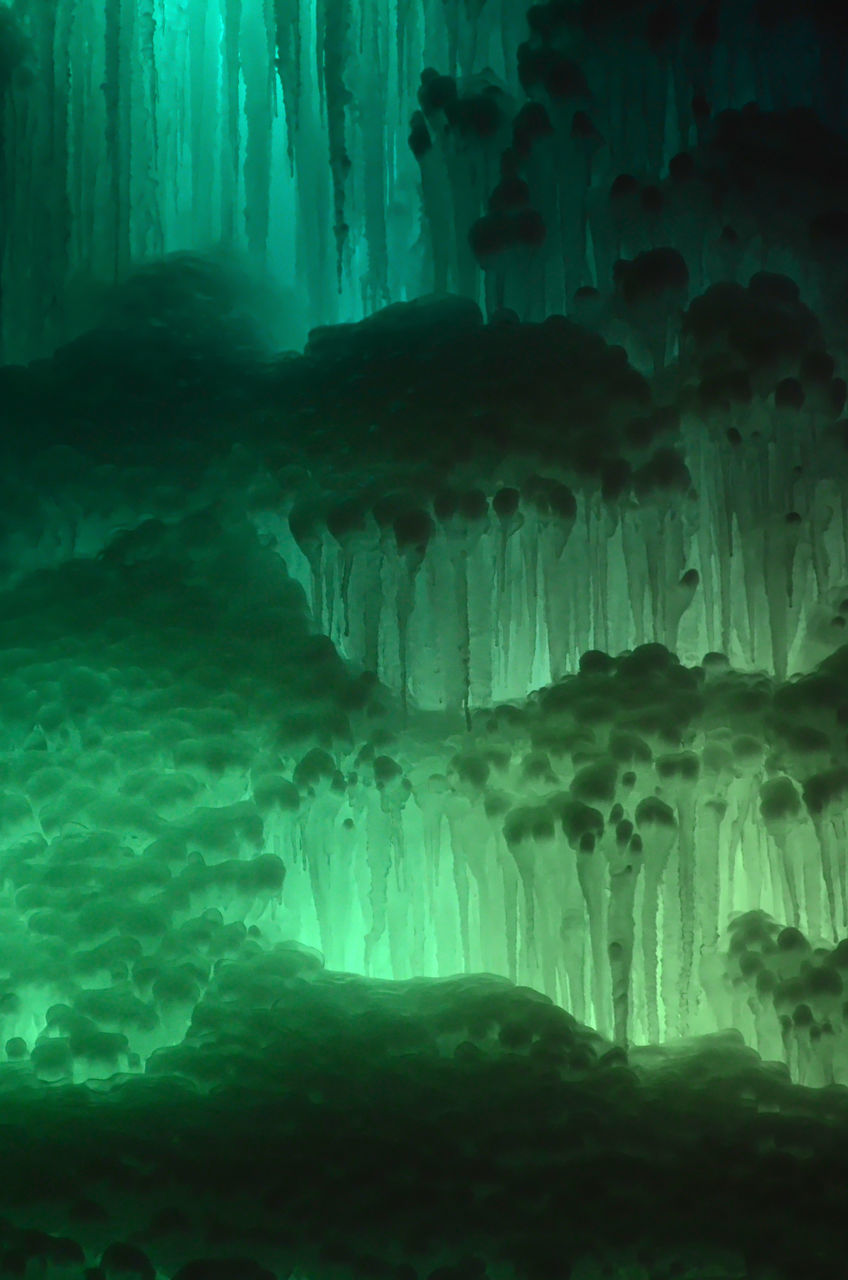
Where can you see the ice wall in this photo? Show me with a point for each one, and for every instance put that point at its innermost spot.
(473, 511)
(136, 127)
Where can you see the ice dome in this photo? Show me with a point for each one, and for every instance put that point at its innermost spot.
(423, 654)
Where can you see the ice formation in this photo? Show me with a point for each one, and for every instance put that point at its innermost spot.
(131, 129)
(423, 755)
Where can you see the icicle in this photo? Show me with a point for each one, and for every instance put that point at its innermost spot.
(468, 778)
(559, 508)
(230, 152)
(378, 845)
(554, 905)
(780, 808)
(678, 779)
(147, 211)
(349, 525)
(431, 796)
(334, 55)
(521, 826)
(117, 93)
(624, 857)
(603, 523)
(717, 772)
(583, 828)
(456, 810)
(655, 823)
(288, 55)
(511, 890)
(829, 860)
(506, 509)
(413, 530)
(256, 55)
(464, 518)
(435, 195)
(529, 543)
(748, 764)
(679, 599)
(372, 125)
(636, 562)
(322, 791)
(306, 521)
(395, 790)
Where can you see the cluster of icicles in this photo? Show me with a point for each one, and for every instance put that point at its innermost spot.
(483, 594)
(568, 844)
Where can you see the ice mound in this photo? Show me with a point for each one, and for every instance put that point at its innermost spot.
(305, 1111)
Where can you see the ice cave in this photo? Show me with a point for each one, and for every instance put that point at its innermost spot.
(423, 640)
